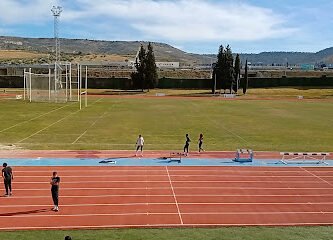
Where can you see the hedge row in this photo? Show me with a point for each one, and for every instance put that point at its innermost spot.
(168, 83)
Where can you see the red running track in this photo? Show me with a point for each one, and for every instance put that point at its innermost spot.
(119, 197)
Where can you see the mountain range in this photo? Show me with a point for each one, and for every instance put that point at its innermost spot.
(163, 52)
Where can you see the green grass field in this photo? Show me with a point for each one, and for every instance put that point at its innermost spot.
(114, 123)
(253, 233)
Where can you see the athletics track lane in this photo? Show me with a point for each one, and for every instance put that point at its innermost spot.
(115, 197)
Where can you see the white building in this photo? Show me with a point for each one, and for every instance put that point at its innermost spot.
(167, 65)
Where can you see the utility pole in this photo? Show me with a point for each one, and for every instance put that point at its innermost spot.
(56, 11)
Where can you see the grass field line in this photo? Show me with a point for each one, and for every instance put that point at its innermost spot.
(52, 124)
(221, 126)
(174, 195)
(160, 213)
(168, 225)
(93, 124)
(171, 195)
(42, 115)
(320, 178)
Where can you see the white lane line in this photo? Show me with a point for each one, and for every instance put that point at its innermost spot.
(174, 196)
(42, 115)
(93, 124)
(78, 182)
(317, 177)
(162, 188)
(159, 175)
(171, 195)
(151, 213)
(115, 181)
(168, 225)
(170, 203)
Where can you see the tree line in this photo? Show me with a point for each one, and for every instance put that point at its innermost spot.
(227, 72)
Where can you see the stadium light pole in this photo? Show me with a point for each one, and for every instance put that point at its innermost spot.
(56, 11)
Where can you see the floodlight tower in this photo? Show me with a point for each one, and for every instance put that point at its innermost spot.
(56, 11)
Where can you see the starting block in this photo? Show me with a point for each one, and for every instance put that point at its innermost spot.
(319, 158)
(244, 155)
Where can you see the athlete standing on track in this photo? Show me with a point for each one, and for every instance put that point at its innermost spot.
(200, 142)
(7, 175)
(187, 144)
(139, 145)
(55, 180)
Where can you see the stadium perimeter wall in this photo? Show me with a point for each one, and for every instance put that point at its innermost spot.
(173, 83)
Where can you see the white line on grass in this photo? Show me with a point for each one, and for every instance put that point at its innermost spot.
(174, 196)
(52, 124)
(100, 117)
(33, 118)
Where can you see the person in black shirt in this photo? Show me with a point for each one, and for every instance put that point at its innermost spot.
(7, 175)
(55, 180)
(187, 144)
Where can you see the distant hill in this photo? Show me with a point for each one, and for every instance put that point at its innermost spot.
(163, 52)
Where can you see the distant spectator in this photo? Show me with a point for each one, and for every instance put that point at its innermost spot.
(7, 175)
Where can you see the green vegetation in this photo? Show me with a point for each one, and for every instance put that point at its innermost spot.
(114, 123)
(250, 233)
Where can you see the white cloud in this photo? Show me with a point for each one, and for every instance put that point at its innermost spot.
(177, 21)
(190, 20)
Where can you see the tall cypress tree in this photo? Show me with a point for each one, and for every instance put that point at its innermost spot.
(237, 73)
(218, 70)
(245, 79)
(229, 69)
(141, 68)
(151, 70)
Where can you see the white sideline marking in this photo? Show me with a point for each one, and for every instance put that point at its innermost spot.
(317, 177)
(34, 118)
(170, 195)
(167, 225)
(151, 213)
(100, 117)
(174, 196)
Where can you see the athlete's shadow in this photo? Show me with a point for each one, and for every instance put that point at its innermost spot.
(26, 212)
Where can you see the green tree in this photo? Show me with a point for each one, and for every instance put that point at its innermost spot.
(138, 78)
(237, 73)
(150, 69)
(218, 69)
(245, 79)
(228, 69)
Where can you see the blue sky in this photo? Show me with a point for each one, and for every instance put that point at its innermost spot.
(199, 26)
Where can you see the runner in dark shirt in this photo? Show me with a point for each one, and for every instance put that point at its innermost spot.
(55, 180)
(7, 175)
(187, 144)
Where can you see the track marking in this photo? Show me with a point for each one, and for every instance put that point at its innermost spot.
(100, 117)
(171, 203)
(317, 176)
(180, 195)
(174, 196)
(34, 118)
(151, 213)
(167, 225)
